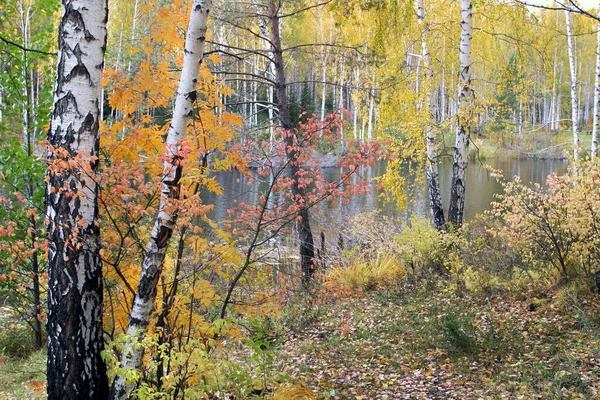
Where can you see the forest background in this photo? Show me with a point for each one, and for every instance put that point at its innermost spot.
(192, 307)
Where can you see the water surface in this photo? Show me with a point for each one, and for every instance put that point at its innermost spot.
(480, 190)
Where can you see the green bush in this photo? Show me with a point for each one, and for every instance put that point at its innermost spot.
(421, 248)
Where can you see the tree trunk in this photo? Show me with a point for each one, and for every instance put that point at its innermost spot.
(574, 105)
(35, 271)
(75, 367)
(431, 166)
(596, 100)
(307, 251)
(354, 102)
(463, 132)
(143, 304)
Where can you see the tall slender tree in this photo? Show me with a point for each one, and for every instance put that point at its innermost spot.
(307, 251)
(153, 262)
(75, 367)
(596, 116)
(463, 132)
(432, 173)
(573, 69)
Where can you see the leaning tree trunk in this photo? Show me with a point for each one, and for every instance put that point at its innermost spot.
(75, 367)
(431, 167)
(573, 69)
(143, 303)
(463, 132)
(596, 99)
(307, 251)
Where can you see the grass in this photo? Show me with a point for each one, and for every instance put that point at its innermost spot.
(366, 274)
(22, 370)
(23, 378)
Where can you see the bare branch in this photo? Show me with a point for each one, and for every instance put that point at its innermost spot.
(26, 49)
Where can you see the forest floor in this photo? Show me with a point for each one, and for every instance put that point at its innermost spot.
(22, 370)
(400, 343)
(396, 345)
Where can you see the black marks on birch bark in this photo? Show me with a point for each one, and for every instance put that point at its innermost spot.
(65, 105)
(164, 234)
(191, 96)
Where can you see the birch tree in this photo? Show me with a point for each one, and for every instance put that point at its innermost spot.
(432, 173)
(463, 132)
(596, 98)
(573, 70)
(75, 367)
(143, 304)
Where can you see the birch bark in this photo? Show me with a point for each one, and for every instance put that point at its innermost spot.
(463, 132)
(143, 304)
(573, 69)
(596, 99)
(431, 166)
(75, 367)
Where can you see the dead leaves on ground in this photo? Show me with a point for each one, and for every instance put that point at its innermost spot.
(367, 348)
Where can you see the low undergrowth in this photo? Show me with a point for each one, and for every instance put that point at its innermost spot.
(411, 342)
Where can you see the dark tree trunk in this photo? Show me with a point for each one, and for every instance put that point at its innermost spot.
(37, 306)
(307, 250)
(75, 340)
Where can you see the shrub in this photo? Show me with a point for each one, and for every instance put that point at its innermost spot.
(421, 247)
(368, 274)
(556, 226)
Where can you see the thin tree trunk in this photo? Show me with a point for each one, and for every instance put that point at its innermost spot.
(307, 251)
(370, 123)
(443, 95)
(264, 31)
(520, 124)
(143, 304)
(596, 116)
(341, 107)
(431, 167)
(133, 31)
(35, 271)
(75, 340)
(463, 132)
(354, 105)
(574, 105)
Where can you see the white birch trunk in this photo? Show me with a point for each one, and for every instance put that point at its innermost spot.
(264, 32)
(520, 126)
(370, 123)
(463, 132)
(431, 166)
(574, 103)
(143, 304)
(355, 116)
(75, 368)
(133, 29)
(341, 107)
(596, 115)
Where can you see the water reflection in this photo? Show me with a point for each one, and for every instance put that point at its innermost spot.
(481, 188)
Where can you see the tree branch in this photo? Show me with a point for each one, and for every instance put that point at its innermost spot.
(26, 49)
